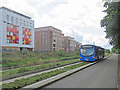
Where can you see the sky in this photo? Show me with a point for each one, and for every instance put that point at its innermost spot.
(79, 19)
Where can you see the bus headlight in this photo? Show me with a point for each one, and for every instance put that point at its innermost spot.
(93, 57)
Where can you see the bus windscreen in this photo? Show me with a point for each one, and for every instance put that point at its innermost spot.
(87, 51)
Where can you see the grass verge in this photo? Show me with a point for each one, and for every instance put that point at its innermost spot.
(30, 80)
(31, 68)
(108, 54)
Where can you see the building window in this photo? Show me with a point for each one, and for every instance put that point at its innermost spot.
(30, 25)
(27, 24)
(53, 37)
(16, 21)
(20, 22)
(7, 18)
(24, 23)
(12, 20)
(53, 33)
(53, 45)
(7, 25)
(75, 45)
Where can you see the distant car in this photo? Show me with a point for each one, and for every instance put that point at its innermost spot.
(91, 53)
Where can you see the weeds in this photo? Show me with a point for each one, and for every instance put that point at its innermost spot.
(30, 80)
(14, 59)
(31, 68)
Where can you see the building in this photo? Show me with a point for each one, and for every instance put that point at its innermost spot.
(16, 30)
(49, 39)
(70, 44)
(77, 46)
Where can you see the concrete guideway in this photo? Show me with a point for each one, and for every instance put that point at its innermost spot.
(57, 77)
(100, 75)
(26, 76)
(54, 78)
(34, 71)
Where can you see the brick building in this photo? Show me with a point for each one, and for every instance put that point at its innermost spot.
(49, 39)
(16, 30)
(70, 44)
(78, 45)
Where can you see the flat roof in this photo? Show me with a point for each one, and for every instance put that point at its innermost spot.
(15, 12)
(47, 28)
(69, 37)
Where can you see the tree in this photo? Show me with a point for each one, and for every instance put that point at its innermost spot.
(107, 50)
(116, 50)
(111, 23)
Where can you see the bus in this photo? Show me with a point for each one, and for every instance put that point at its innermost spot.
(91, 53)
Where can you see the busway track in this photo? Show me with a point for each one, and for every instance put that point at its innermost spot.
(52, 79)
(6, 80)
(9, 68)
(35, 71)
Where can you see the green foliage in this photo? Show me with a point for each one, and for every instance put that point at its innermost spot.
(116, 50)
(14, 59)
(107, 50)
(107, 54)
(111, 23)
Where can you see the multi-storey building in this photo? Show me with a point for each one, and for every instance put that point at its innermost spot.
(77, 46)
(16, 30)
(49, 39)
(70, 44)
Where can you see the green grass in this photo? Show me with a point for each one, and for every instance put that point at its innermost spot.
(30, 80)
(31, 68)
(108, 54)
(16, 59)
(53, 62)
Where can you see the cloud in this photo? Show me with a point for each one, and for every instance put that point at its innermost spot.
(77, 18)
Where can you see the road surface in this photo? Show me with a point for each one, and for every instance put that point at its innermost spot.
(101, 75)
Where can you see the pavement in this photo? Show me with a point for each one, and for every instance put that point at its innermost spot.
(101, 75)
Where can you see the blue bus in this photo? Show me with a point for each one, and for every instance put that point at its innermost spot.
(91, 53)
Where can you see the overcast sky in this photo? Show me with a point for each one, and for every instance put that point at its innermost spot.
(77, 18)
